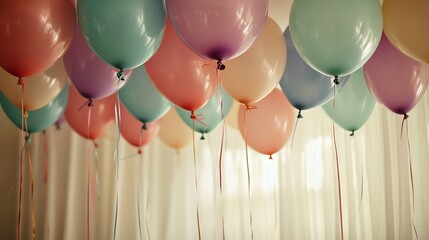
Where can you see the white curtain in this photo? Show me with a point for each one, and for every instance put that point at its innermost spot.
(293, 196)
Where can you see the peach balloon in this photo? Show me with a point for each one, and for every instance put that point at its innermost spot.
(269, 126)
(39, 89)
(174, 132)
(253, 75)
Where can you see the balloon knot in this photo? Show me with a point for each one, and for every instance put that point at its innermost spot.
(299, 114)
(271, 157)
(202, 137)
(249, 108)
(193, 116)
(220, 65)
(95, 144)
(336, 80)
(28, 137)
(406, 116)
(20, 81)
(25, 114)
(144, 127)
(139, 152)
(57, 126)
(352, 133)
(121, 75)
(90, 103)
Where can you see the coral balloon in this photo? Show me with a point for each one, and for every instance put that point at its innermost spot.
(406, 25)
(132, 129)
(91, 76)
(269, 126)
(34, 34)
(124, 33)
(396, 80)
(40, 89)
(39, 119)
(180, 75)
(253, 75)
(174, 131)
(218, 30)
(336, 37)
(102, 115)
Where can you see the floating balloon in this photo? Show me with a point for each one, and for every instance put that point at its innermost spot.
(406, 25)
(218, 30)
(336, 37)
(279, 11)
(174, 131)
(210, 114)
(34, 34)
(303, 86)
(142, 99)
(132, 129)
(253, 75)
(40, 119)
(102, 114)
(91, 76)
(352, 106)
(269, 126)
(183, 77)
(396, 80)
(40, 89)
(125, 33)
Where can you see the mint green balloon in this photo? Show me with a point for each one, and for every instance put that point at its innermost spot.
(336, 37)
(353, 105)
(39, 119)
(142, 99)
(124, 33)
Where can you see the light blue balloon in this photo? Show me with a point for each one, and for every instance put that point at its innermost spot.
(124, 33)
(142, 99)
(303, 86)
(39, 119)
(210, 114)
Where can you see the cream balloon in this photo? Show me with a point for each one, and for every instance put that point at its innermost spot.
(39, 89)
(254, 74)
(174, 131)
(279, 11)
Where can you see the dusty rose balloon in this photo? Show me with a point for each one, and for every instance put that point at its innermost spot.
(102, 114)
(396, 80)
(183, 77)
(269, 126)
(34, 34)
(218, 29)
(131, 129)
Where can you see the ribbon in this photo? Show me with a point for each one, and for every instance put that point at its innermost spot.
(88, 173)
(411, 175)
(248, 110)
(193, 117)
(23, 114)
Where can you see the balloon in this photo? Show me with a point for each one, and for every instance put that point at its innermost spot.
(125, 33)
(336, 37)
(180, 75)
(34, 34)
(40, 119)
(132, 129)
(91, 76)
(396, 80)
(269, 126)
(279, 11)
(218, 30)
(174, 131)
(211, 114)
(353, 105)
(39, 89)
(406, 26)
(303, 86)
(102, 115)
(142, 99)
(253, 75)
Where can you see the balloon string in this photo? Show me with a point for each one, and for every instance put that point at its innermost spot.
(195, 175)
(116, 155)
(138, 193)
(298, 117)
(46, 157)
(97, 186)
(88, 175)
(403, 121)
(21, 147)
(338, 181)
(30, 164)
(222, 142)
(361, 182)
(248, 109)
(147, 206)
(411, 178)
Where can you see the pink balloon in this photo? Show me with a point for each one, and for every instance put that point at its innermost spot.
(131, 129)
(91, 76)
(396, 80)
(269, 126)
(183, 77)
(102, 114)
(218, 29)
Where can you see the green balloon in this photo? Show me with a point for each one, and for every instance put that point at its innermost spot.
(124, 33)
(39, 119)
(210, 114)
(336, 37)
(142, 99)
(353, 105)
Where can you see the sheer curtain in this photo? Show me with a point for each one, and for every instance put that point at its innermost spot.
(293, 196)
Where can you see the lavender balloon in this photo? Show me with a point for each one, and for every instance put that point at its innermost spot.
(92, 77)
